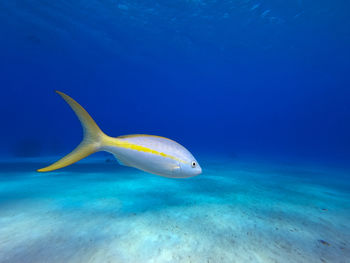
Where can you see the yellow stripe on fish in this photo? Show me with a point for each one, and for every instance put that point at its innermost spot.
(128, 145)
(150, 153)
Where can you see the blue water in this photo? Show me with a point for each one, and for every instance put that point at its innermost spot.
(258, 91)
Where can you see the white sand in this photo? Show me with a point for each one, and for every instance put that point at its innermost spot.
(232, 213)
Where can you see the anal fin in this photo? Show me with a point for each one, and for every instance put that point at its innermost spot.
(122, 161)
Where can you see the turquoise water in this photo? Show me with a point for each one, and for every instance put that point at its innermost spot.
(238, 210)
(257, 90)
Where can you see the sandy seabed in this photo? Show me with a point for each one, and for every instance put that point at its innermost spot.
(234, 212)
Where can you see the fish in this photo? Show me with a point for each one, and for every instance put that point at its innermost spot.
(150, 153)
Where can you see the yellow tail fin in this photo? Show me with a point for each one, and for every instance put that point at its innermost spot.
(92, 140)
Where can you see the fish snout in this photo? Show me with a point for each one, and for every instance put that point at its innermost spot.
(199, 170)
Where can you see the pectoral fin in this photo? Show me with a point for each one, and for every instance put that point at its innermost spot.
(176, 169)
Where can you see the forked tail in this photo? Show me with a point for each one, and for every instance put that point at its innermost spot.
(91, 143)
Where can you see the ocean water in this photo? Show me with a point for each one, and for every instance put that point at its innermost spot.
(257, 91)
(243, 211)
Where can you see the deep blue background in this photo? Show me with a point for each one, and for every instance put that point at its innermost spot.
(268, 78)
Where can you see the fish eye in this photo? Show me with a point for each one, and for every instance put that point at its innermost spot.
(193, 164)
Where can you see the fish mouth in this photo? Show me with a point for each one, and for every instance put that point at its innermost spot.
(199, 171)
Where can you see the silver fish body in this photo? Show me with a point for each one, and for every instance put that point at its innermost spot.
(149, 153)
(154, 154)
